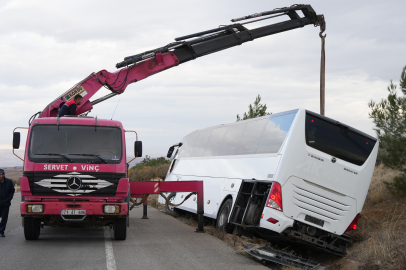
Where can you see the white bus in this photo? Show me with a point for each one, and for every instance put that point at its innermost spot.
(297, 174)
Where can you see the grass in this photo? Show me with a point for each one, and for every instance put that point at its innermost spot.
(380, 239)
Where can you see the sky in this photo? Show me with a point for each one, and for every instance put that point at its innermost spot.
(46, 47)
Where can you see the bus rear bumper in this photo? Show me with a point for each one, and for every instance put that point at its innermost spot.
(275, 220)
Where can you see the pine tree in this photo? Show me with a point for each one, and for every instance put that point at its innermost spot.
(389, 117)
(254, 110)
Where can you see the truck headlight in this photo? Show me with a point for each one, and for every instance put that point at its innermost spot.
(35, 208)
(111, 209)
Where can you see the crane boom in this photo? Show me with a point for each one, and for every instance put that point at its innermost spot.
(184, 49)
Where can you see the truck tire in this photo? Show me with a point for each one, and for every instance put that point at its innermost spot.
(222, 218)
(120, 229)
(32, 228)
(127, 200)
(169, 209)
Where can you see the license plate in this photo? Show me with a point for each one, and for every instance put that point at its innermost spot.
(314, 220)
(73, 212)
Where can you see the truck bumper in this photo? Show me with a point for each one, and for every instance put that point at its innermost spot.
(55, 208)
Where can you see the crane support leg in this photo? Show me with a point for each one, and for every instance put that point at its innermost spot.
(145, 210)
(139, 189)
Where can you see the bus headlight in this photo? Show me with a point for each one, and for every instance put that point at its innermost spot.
(35, 208)
(111, 209)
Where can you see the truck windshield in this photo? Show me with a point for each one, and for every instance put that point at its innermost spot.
(80, 144)
(338, 140)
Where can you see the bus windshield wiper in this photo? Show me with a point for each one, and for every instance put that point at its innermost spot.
(92, 155)
(53, 154)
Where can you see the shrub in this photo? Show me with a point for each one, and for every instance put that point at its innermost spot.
(389, 117)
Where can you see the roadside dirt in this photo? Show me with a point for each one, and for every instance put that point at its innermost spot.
(14, 173)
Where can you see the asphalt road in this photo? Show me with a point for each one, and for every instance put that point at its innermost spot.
(160, 242)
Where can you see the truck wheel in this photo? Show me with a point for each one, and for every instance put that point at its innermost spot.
(128, 200)
(169, 209)
(32, 228)
(120, 229)
(222, 218)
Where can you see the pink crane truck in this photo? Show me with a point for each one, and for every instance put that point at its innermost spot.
(75, 168)
(75, 174)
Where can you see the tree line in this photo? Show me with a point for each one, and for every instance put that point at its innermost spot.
(149, 169)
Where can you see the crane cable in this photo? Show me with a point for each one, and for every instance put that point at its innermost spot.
(322, 65)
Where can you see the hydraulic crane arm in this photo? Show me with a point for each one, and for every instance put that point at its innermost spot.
(140, 66)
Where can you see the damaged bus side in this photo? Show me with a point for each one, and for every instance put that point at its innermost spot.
(296, 174)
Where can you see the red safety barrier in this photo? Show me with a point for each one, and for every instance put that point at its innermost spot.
(139, 189)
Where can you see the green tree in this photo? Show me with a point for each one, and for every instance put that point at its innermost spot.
(389, 117)
(149, 168)
(152, 162)
(255, 110)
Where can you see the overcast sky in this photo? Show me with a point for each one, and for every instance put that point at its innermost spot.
(48, 46)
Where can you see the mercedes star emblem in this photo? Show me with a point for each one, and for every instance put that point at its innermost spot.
(74, 183)
(333, 160)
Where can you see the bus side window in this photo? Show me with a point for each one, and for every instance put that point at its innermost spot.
(231, 139)
(275, 133)
(251, 136)
(188, 144)
(201, 142)
(215, 141)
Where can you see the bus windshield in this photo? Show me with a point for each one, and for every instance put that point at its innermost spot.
(79, 144)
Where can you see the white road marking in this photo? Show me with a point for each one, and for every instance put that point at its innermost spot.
(110, 260)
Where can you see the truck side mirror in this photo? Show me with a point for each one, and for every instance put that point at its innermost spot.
(138, 149)
(16, 140)
(170, 152)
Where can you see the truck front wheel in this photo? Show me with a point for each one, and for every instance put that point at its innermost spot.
(32, 228)
(120, 229)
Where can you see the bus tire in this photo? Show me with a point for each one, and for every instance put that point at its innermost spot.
(32, 228)
(222, 218)
(120, 229)
(169, 209)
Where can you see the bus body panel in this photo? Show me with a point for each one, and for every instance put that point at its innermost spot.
(235, 168)
(301, 198)
(230, 167)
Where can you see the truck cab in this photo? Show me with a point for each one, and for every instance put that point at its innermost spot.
(75, 175)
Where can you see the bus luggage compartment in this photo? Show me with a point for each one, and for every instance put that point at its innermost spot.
(250, 203)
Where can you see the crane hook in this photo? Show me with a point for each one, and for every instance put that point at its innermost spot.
(322, 23)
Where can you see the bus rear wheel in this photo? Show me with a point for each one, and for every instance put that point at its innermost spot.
(222, 218)
(32, 228)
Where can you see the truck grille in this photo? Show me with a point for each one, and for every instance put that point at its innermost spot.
(81, 184)
(88, 184)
